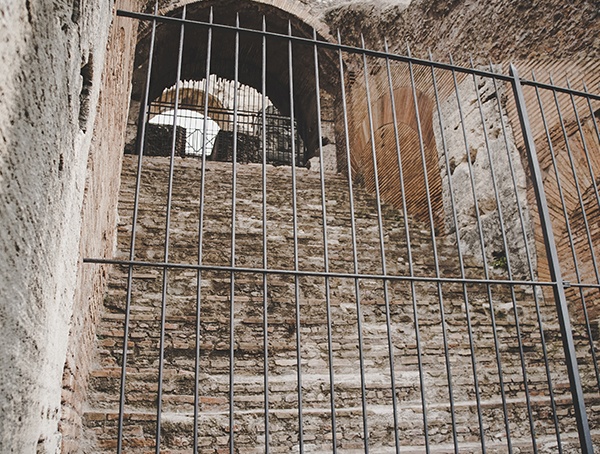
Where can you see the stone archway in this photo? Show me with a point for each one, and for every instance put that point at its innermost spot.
(278, 16)
(194, 99)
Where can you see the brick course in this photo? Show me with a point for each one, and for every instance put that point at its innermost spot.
(180, 327)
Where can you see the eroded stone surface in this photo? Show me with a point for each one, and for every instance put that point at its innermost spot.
(180, 326)
(499, 179)
(52, 56)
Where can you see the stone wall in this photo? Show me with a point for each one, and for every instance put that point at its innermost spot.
(553, 29)
(500, 30)
(52, 58)
(439, 30)
(425, 305)
(487, 152)
(98, 219)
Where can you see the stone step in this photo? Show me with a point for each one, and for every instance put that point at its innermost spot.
(143, 383)
(213, 430)
(316, 302)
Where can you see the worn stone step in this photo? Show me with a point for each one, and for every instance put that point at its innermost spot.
(316, 304)
(177, 427)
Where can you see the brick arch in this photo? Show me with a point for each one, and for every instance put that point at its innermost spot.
(387, 153)
(292, 7)
(278, 14)
(193, 99)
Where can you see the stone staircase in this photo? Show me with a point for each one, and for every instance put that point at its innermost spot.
(178, 384)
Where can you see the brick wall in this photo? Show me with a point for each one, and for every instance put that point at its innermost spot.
(574, 172)
(99, 218)
(214, 350)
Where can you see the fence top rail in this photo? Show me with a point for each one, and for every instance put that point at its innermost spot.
(357, 50)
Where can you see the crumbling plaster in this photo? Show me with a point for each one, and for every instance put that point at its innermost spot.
(47, 110)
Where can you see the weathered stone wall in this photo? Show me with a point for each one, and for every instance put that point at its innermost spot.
(487, 151)
(460, 27)
(249, 393)
(52, 56)
(551, 29)
(500, 30)
(98, 219)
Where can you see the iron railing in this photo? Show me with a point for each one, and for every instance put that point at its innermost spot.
(439, 294)
(221, 125)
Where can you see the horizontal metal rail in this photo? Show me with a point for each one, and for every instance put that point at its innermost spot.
(354, 50)
(386, 277)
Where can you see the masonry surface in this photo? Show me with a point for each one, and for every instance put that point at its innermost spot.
(212, 348)
(65, 89)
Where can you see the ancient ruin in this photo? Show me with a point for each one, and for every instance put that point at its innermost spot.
(299, 226)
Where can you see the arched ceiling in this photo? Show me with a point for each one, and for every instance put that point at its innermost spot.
(249, 61)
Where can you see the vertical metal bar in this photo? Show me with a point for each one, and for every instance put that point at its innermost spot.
(592, 114)
(191, 105)
(136, 202)
(385, 283)
(325, 247)
(587, 229)
(233, 225)
(354, 249)
(411, 269)
(295, 233)
(161, 359)
(381, 246)
(435, 253)
(529, 264)
(201, 232)
(555, 271)
(460, 261)
(359, 319)
(484, 261)
(264, 233)
(568, 229)
(508, 262)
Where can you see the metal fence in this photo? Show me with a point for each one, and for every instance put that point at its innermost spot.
(227, 100)
(441, 295)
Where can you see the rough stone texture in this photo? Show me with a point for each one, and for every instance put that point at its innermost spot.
(551, 29)
(484, 142)
(321, 7)
(52, 55)
(329, 160)
(496, 29)
(180, 327)
(98, 218)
